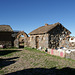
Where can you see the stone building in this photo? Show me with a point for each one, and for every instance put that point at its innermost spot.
(5, 35)
(10, 38)
(48, 36)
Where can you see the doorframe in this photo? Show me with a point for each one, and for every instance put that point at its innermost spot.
(36, 42)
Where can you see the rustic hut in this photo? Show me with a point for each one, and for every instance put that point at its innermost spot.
(10, 38)
(48, 36)
(5, 35)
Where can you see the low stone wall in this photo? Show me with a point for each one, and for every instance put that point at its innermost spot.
(57, 53)
(60, 53)
(54, 52)
(6, 43)
(71, 55)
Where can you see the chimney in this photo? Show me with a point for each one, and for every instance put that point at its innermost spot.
(46, 24)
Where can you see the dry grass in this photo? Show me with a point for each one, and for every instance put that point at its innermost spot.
(28, 61)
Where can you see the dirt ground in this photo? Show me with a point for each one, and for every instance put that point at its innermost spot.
(33, 62)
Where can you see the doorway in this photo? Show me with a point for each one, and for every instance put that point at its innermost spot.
(37, 41)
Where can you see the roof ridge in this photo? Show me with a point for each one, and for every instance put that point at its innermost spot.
(45, 29)
(4, 25)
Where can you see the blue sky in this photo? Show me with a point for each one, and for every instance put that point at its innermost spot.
(27, 15)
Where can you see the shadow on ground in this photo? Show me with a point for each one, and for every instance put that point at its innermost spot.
(45, 71)
(6, 62)
(5, 52)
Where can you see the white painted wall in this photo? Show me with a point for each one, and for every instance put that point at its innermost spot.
(72, 40)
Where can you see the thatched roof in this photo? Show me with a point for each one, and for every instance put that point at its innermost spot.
(5, 28)
(45, 29)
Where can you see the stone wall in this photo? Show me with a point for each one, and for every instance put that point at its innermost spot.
(6, 39)
(53, 41)
(18, 39)
(56, 37)
(16, 43)
(72, 45)
(6, 43)
(64, 43)
(71, 55)
(42, 41)
(26, 42)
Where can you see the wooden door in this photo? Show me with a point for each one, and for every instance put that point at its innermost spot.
(37, 42)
